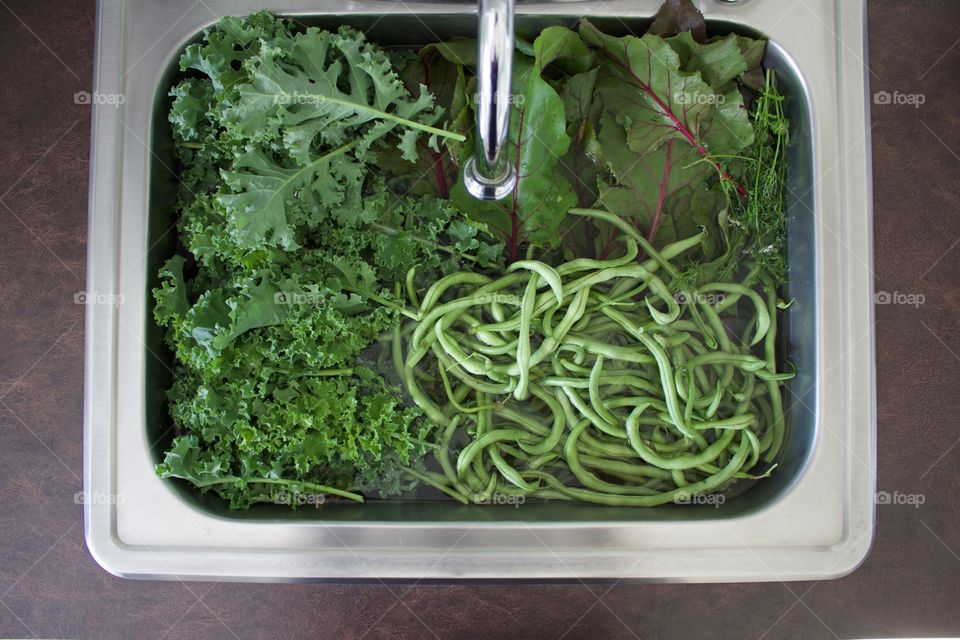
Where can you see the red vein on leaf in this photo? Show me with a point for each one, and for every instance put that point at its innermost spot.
(515, 213)
(578, 185)
(608, 247)
(441, 175)
(662, 197)
(677, 124)
(439, 172)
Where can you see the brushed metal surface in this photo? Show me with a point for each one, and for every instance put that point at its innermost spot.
(488, 175)
(812, 520)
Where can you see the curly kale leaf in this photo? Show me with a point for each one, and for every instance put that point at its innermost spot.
(252, 442)
(330, 88)
(295, 251)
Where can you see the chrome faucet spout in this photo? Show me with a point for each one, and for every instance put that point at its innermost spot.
(488, 174)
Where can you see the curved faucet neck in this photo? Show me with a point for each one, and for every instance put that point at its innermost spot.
(488, 175)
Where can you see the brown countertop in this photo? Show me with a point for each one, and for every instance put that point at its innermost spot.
(50, 587)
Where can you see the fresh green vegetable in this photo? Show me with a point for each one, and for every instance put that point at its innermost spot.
(296, 252)
(533, 213)
(347, 320)
(628, 389)
(593, 377)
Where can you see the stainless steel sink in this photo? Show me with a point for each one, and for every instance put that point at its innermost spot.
(812, 519)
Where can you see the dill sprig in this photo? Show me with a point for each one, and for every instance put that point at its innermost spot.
(754, 226)
(762, 215)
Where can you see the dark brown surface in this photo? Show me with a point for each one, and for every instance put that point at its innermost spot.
(50, 586)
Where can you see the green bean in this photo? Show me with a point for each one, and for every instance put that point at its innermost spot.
(734, 422)
(433, 482)
(433, 294)
(633, 401)
(679, 462)
(588, 264)
(428, 321)
(542, 460)
(509, 473)
(611, 351)
(594, 390)
(588, 479)
(483, 424)
(556, 429)
(411, 288)
(520, 419)
(523, 340)
(764, 374)
(773, 387)
(492, 388)
(604, 379)
(590, 381)
(595, 445)
(762, 315)
(547, 273)
(453, 400)
(488, 438)
(666, 371)
(596, 420)
(614, 466)
(554, 337)
(744, 361)
(723, 340)
(730, 301)
(442, 455)
(715, 402)
(696, 488)
(631, 232)
(709, 337)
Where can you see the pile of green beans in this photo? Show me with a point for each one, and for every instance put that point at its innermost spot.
(594, 380)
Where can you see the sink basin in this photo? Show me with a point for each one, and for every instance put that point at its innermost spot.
(812, 519)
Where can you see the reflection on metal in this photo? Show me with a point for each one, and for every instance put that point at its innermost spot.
(488, 175)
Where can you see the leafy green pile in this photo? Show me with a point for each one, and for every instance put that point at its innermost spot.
(323, 224)
(627, 356)
(672, 131)
(295, 247)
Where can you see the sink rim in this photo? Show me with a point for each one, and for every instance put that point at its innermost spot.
(115, 532)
